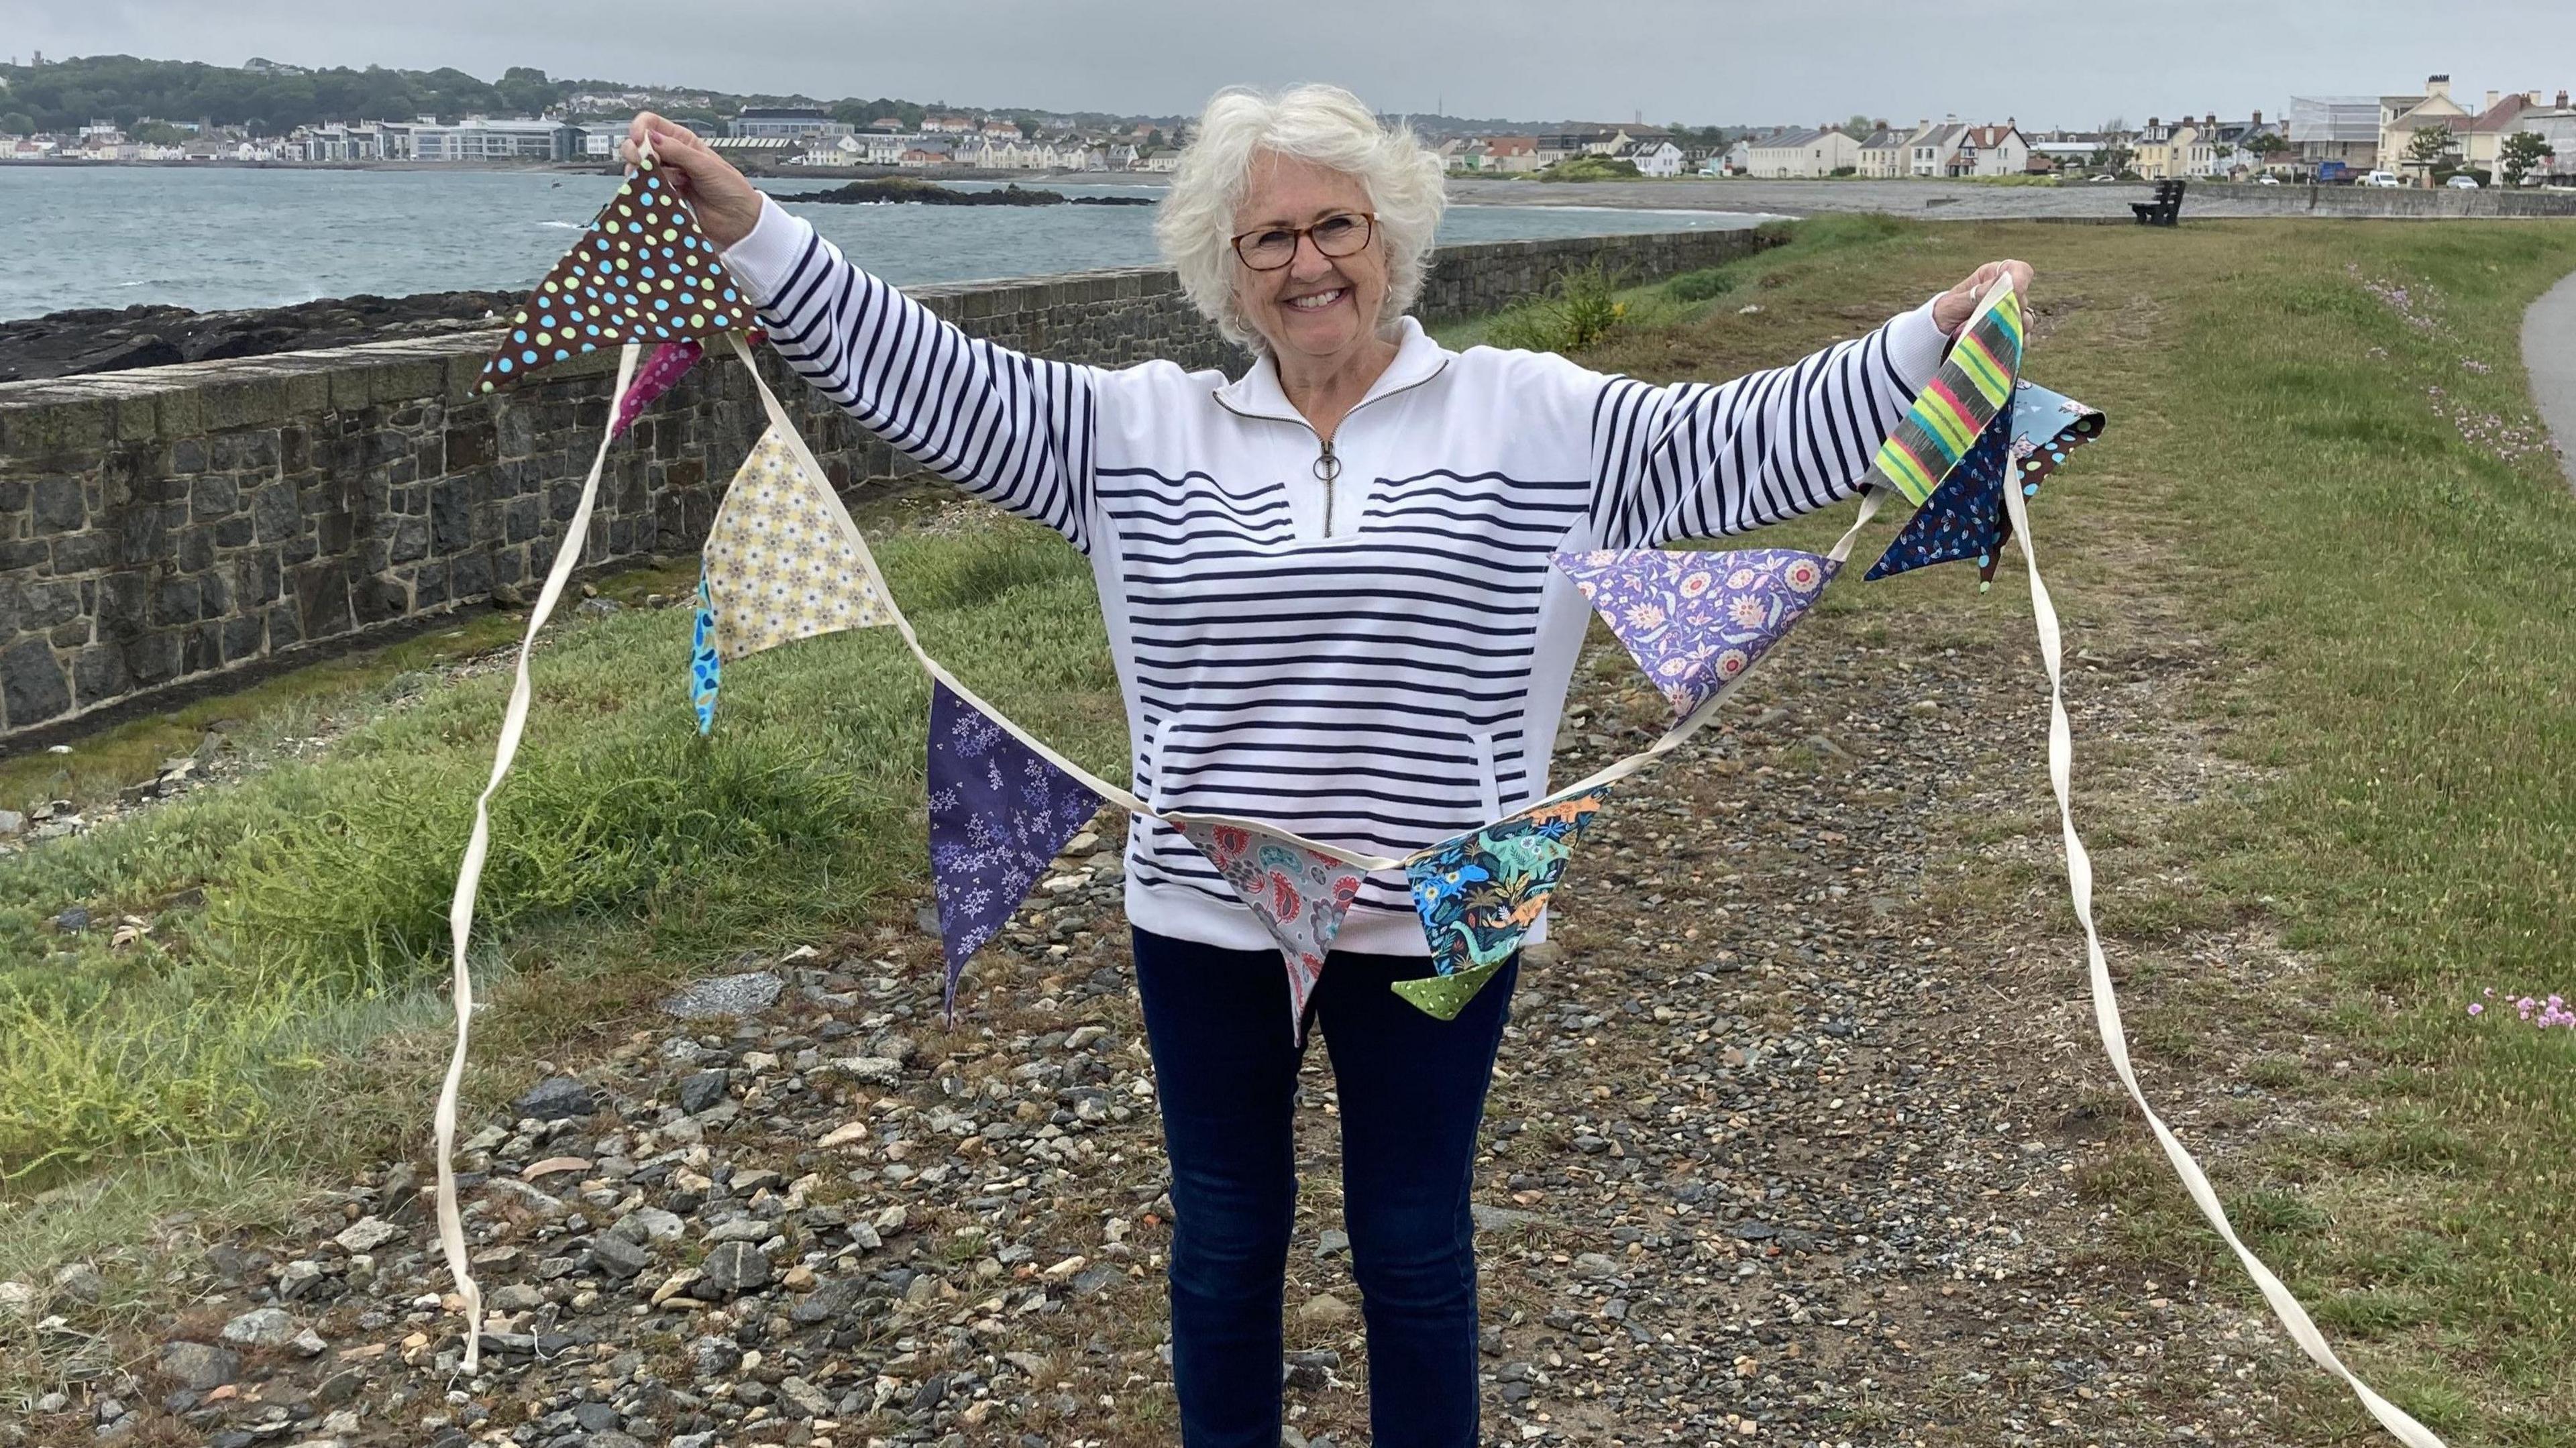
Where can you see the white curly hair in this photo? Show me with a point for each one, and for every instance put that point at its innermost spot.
(1324, 124)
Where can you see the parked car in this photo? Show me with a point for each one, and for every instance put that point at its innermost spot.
(2462, 182)
(2387, 179)
(2267, 180)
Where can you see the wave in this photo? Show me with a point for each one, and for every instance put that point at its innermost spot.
(565, 225)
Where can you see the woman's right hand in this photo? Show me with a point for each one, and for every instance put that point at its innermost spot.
(728, 206)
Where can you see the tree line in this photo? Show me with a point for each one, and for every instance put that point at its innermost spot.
(66, 95)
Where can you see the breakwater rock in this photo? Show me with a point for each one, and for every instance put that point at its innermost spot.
(927, 193)
(101, 339)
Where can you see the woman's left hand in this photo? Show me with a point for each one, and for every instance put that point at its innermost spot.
(1951, 310)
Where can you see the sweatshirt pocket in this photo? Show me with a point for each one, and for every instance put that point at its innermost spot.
(1489, 787)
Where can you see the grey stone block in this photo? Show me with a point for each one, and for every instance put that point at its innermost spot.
(32, 688)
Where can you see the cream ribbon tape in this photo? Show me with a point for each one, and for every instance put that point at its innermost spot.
(1672, 738)
(469, 875)
(2115, 1039)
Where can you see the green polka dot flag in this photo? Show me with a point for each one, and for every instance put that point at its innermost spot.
(643, 272)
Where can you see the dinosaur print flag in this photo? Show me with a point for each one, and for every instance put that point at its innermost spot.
(1479, 895)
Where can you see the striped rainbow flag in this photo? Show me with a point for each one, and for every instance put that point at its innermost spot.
(1974, 383)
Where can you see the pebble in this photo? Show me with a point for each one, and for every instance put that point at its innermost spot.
(746, 994)
(1323, 1310)
(555, 1099)
(198, 1366)
(263, 1327)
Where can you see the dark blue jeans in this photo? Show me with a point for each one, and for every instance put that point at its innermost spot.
(1412, 1092)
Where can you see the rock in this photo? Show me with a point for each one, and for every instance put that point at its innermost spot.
(554, 1166)
(828, 1301)
(199, 1366)
(870, 1070)
(844, 1135)
(556, 1098)
(80, 1282)
(1332, 1242)
(740, 1229)
(73, 920)
(649, 1224)
(12, 823)
(1323, 1310)
(616, 1256)
(1499, 1219)
(702, 1089)
(262, 1327)
(15, 1299)
(732, 1269)
(515, 1297)
(367, 1234)
(890, 1221)
(748, 993)
(804, 1397)
(1595, 1265)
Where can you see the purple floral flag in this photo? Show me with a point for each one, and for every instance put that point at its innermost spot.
(999, 815)
(1696, 621)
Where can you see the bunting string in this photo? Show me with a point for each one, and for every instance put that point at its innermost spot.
(1012, 804)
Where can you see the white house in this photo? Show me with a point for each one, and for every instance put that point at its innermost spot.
(1820, 152)
(1653, 158)
(1883, 152)
(1994, 151)
(1934, 150)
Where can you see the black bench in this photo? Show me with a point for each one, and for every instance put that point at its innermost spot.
(2165, 210)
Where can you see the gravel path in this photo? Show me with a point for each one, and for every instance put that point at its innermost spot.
(1789, 1143)
(2549, 355)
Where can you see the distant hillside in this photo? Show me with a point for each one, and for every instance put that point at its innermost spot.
(274, 99)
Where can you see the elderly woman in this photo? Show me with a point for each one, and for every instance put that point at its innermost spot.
(1327, 586)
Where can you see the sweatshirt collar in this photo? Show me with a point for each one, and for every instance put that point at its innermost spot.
(1257, 392)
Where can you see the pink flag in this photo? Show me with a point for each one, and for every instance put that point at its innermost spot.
(1300, 896)
(664, 366)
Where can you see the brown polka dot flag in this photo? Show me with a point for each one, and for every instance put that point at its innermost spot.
(643, 272)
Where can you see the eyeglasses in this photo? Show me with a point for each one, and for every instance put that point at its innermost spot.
(1273, 247)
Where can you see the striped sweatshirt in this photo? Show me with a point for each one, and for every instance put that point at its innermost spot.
(1362, 640)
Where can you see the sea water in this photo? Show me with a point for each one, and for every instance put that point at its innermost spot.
(222, 237)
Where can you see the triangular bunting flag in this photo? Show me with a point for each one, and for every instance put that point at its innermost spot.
(663, 367)
(643, 272)
(1480, 893)
(1965, 518)
(999, 815)
(1971, 387)
(1299, 896)
(706, 671)
(1696, 621)
(783, 561)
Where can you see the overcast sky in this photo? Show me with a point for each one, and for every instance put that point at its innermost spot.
(2061, 63)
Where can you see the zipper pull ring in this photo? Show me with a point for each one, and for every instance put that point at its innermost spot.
(1328, 468)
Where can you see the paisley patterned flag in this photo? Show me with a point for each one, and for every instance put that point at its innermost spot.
(1480, 893)
(1965, 518)
(783, 561)
(663, 367)
(999, 815)
(642, 272)
(1300, 897)
(1972, 386)
(1696, 621)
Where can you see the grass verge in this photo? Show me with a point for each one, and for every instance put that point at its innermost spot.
(298, 917)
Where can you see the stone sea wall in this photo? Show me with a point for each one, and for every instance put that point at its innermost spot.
(167, 524)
